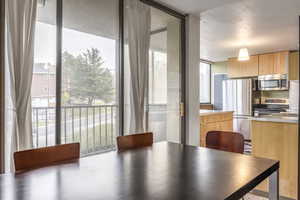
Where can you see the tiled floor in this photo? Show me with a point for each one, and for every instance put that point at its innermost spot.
(247, 147)
(253, 197)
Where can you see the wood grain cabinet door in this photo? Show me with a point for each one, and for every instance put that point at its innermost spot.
(294, 66)
(226, 125)
(281, 62)
(249, 68)
(274, 63)
(278, 141)
(238, 69)
(233, 68)
(266, 64)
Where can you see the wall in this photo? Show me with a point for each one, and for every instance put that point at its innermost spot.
(275, 94)
(217, 68)
(193, 82)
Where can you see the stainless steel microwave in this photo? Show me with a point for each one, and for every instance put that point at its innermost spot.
(273, 82)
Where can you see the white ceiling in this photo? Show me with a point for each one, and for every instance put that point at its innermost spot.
(99, 17)
(260, 25)
(227, 25)
(194, 6)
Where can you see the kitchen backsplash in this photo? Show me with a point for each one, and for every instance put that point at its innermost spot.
(294, 96)
(275, 94)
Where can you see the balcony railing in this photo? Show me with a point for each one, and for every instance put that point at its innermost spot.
(93, 126)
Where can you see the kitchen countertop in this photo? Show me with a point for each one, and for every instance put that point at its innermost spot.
(283, 119)
(212, 112)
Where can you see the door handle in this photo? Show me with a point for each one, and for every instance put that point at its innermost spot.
(181, 109)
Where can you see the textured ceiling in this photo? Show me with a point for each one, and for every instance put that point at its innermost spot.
(99, 17)
(226, 25)
(261, 25)
(194, 6)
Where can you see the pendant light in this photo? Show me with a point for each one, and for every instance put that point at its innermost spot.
(244, 54)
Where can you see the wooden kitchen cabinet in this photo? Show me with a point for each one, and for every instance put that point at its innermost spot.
(278, 141)
(266, 64)
(294, 66)
(238, 69)
(206, 106)
(233, 68)
(214, 121)
(274, 63)
(281, 65)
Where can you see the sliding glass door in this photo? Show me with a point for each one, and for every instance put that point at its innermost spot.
(82, 84)
(163, 107)
(89, 74)
(165, 94)
(76, 78)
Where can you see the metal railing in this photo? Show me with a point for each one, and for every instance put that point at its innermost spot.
(93, 126)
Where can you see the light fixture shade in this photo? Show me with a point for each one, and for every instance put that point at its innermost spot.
(243, 54)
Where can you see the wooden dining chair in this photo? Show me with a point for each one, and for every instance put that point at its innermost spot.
(225, 141)
(42, 157)
(134, 141)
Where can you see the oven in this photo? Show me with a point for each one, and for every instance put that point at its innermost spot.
(273, 82)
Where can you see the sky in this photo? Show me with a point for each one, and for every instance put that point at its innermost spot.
(74, 42)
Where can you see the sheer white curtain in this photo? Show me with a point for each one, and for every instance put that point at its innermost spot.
(139, 27)
(21, 18)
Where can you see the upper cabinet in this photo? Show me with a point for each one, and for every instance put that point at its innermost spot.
(266, 64)
(294, 66)
(274, 63)
(237, 69)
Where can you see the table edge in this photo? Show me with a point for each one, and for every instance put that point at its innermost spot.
(254, 182)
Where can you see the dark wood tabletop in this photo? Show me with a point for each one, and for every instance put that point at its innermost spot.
(165, 171)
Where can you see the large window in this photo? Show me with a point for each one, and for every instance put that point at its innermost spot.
(89, 75)
(205, 84)
(75, 86)
(81, 82)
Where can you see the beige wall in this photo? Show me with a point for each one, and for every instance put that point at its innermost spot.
(192, 85)
(219, 67)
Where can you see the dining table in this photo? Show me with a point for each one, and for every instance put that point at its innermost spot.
(163, 171)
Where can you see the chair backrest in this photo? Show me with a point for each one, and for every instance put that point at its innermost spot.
(42, 157)
(225, 141)
(134, 141)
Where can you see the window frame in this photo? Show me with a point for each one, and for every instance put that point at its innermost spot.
(59, 35)
(210, 73)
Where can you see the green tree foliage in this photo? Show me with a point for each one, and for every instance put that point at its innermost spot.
(85, 77)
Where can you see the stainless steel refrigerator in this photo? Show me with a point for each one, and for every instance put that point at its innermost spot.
(237, 97)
